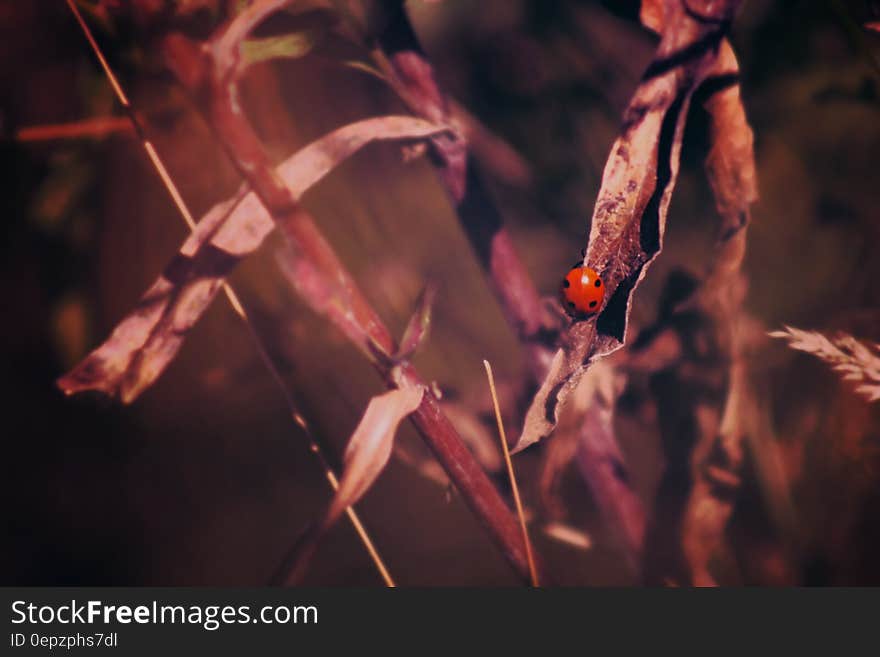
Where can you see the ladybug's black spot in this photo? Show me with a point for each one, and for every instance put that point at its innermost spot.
(592, 304)
(571, 304)
(598, 282)
(566, 283)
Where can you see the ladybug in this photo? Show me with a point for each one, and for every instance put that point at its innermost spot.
(582, 292)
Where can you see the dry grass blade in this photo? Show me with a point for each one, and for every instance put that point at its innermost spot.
(366, 455)
(533, 572)
(629, 218)
(146, 341)
(855, 360)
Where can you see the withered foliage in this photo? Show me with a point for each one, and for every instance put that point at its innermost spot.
(145, 342)
(717, 426)
(211, 72)
(366, 455)
(629, 218)
(701, 357)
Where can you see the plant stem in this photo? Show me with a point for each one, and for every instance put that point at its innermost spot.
(211, 73)
(231, 295)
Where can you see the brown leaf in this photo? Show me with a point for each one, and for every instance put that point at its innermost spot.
(369, 447)
(718, 457)
(367, 454)
(419, 324)
(730, 166)
(145, 342)
(629, 218)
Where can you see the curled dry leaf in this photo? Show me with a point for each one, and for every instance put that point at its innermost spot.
(854, 360)
(718, 458)
(742, 424)
(366, 455)
(145, 342)
(629, 218)
(370, 446)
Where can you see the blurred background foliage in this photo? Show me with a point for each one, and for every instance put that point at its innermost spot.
(204, 480)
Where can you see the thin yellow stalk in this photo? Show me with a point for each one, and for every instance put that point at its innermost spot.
(533, 571)
(230, 293)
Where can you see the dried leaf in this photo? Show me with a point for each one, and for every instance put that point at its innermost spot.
(369, 447)
(366, 455)
(146, 341)
(419, 324)
(717, 458)
(730, 166)
(629, 218)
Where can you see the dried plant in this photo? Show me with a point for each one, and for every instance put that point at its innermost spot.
(366, 455)
(629, 218)
(698, 356)
(147, 341)
(855, 360)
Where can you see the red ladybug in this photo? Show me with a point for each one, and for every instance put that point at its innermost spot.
(582, 292)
